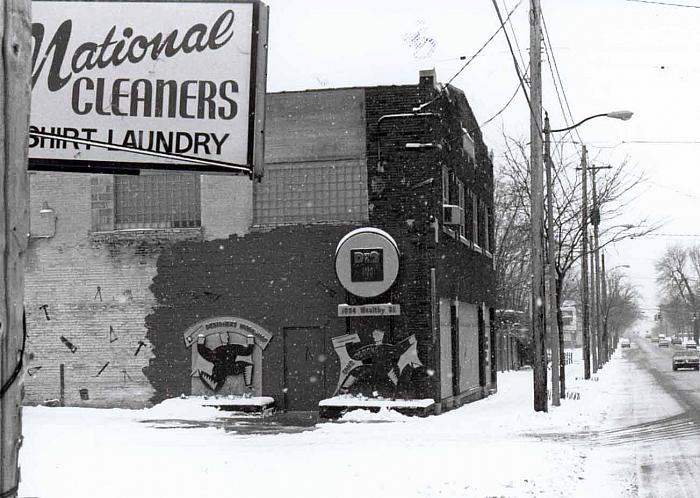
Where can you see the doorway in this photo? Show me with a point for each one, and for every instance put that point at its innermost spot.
(305, 361)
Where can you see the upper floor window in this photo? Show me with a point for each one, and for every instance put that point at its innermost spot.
(461, 198)
(445, 185)
(157, 200)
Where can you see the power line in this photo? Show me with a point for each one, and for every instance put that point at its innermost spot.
(471, 58)
(515, 38)
(667, 235)
(667, 4)
(561, 83)
(517, 68)
(487, 42)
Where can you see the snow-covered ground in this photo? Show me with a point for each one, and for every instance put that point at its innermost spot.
(494, 447)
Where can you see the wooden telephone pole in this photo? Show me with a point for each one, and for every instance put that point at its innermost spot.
(15, 64)
(537, 212)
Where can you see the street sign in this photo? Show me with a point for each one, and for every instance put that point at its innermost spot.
(369, 310)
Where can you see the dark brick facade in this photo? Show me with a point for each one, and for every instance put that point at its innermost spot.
(282, 278)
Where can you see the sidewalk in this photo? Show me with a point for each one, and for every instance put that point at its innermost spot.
(494, 447)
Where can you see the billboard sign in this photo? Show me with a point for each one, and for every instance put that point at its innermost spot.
(183, 82)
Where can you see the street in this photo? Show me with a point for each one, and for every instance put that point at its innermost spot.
(649, 442)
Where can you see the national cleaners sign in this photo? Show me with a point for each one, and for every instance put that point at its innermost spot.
(181, 79)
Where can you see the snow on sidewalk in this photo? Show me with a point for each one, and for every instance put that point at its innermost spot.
(494, 447)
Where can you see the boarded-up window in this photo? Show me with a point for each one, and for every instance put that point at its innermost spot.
(468, 320)
(158, 200)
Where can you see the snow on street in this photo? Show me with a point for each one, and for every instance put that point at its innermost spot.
(495, 447)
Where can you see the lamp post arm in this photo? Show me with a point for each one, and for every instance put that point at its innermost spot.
(579, 123)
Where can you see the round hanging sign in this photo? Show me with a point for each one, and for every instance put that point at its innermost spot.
(367, 262)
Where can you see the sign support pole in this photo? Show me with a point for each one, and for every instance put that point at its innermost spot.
(15, 65)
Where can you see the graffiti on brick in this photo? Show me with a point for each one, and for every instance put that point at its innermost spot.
(102, 369)
(112, 335)
(69, 344)
(98, 294)
(224, 347)
(45, 307)
(32, 371)
(378, 366)
(141, 344)
(126, 376)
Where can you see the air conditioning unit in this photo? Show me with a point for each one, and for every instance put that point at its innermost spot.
(452, 215)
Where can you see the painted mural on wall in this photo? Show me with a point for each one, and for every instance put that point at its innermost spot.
(377, 367)
(226, 355)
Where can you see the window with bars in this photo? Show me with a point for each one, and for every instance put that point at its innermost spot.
(158, 200)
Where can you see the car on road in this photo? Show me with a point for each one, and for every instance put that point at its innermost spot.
(654, 338)
(624, 342)
(686, 359)
(691, 344)
(664, 342)
(676, 340)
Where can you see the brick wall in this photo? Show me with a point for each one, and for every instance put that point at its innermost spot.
(276, 279)
(405, 196)
(90, 286)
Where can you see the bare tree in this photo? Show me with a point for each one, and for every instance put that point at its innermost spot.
(621, 308)
(615, 190)
(678, 276)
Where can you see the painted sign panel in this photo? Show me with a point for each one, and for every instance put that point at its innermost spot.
(226, 347)
(367, 262)
(176, 79)
(369, 310)
(375, 367)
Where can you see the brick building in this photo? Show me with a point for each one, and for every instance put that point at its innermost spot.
(142, 288)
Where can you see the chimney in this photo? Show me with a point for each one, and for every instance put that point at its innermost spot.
(426, 77)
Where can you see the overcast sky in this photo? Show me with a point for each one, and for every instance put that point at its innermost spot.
(611, 55)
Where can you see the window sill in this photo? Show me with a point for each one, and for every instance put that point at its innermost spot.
(143, 234)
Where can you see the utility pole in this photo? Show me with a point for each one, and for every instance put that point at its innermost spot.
(536, 210)
(594, 328)
(15, 92)
(584, 265)
(599, 351)
(605, 309)
(595, 219)
(553, 334)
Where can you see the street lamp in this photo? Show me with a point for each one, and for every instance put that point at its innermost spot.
(554, 332)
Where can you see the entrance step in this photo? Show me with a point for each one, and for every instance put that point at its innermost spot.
(336, 407)
(263, 405)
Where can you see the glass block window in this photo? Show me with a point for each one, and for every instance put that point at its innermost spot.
(312, 193)
(159, 200)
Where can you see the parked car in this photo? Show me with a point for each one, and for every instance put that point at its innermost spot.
(686, 359)
(664, 342)
(624, 342)
(691, 344)
(654, 338)
(676, 340)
